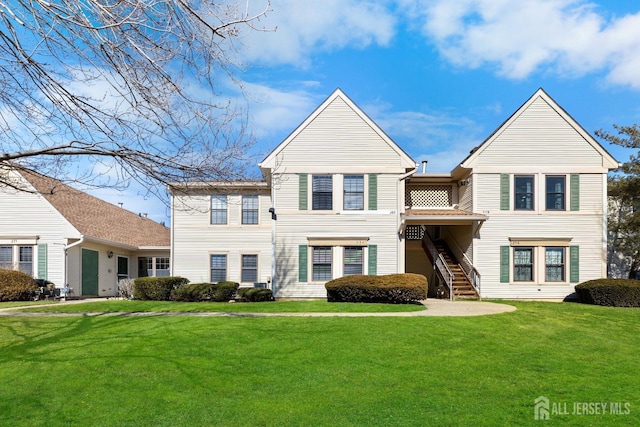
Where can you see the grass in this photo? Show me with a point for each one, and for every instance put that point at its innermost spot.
(194, 371)
(112, 306)
(10, 304)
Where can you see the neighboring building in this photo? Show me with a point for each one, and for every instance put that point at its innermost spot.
(523, 216)
(55, 232)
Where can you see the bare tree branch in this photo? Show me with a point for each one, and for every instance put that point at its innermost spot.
(133, 85)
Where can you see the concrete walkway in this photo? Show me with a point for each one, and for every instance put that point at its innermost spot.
(435, 308)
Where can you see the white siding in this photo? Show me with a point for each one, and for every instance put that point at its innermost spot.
(195, 239)
(339, 140)
(584, 228)
(28, 215)
(539, 136)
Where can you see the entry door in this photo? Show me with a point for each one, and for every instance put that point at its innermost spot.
(89, 272)
(123, 268)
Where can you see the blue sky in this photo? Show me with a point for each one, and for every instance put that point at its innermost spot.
(438, 76)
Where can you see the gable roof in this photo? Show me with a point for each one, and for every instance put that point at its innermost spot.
(97, 219)
(608, 160)
(269, 161)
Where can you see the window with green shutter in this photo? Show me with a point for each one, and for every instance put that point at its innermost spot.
(504, 191)
(303, 263)
(504, 264)
(574, 196)
(373, 192)
(373, 260)
(303, 192)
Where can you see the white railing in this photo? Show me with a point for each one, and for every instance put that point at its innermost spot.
(439, 262)
(467, 266)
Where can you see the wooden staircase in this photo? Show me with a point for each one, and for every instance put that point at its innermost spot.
(462, 287)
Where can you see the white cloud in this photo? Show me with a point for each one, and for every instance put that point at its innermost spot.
(519, 38)
(306, 27)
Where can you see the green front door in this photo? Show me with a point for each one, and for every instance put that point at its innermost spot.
(89, 272)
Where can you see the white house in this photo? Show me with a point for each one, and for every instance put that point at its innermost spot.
(523, 216)
(55, 232)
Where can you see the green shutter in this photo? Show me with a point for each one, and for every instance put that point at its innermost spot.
(303, 263)
(42, 261)
(505, 180)
(373, 192)
(373, 260)
(303, 192)
(574, 264)
(504, 264)
(574, 195)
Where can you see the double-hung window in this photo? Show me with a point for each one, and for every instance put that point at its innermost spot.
(322, 188)
(250, 209)
(354, 192)
(353, 260)
(249, 269)
(321, 263)
(218, 268)
(6, 257)
(554, 264)
(219, 209)
(523, 264)
(555, 193)
(524, 190)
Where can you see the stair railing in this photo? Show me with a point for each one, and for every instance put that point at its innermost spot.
(439, 262)
(466, 264)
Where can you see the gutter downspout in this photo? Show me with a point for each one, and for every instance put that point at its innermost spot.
(400, 247)
(66, 259)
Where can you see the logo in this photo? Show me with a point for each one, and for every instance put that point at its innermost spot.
(541, 408)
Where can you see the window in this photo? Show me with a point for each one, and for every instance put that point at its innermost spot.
(321, 263)
(523, 193)
(522, 264)
(249, 268)
(555, 193)
(219, 209)
(353, 256)
(218, 268)
(153, 266)
(162, 266)
(322, 188)
(6, 257)
(25, 260)
(249, 209)
(354, 192)
(554, 260)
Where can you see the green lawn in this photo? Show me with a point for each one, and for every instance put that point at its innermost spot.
(194, 371)
(319, 306)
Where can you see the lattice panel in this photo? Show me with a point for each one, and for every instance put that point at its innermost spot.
(414, 232)
(429, 196)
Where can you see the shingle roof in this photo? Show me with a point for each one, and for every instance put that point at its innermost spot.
(440, 213)
(95, 218)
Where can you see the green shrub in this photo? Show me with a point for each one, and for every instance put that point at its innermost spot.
(16, 286)
(610, 292)
(255, 294)
(392, 288)
(218, 292)
(156, 288)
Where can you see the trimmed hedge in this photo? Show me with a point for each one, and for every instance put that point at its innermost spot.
(255, 294)
(610, 292)
(217, 292)
(156, 288)
(16, 286)
(392, 288)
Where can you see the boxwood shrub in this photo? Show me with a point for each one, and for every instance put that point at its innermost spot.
(610, 292)
(217, 292)
(392, 288)
(255, 294)
(156, 288)
(16, 286)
